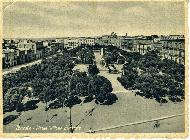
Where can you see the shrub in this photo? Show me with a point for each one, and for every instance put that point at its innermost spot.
(88, 99)
(9, 119)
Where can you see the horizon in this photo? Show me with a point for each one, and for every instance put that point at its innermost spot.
(83, 36)
(76, 19)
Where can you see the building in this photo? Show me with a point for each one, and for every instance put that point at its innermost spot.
(89, 41)
(71, 43)
(127, 43)
(98, 41)
(9, 43)
(59, 40)
(171, 37)
(40, 50)
(82, 41)
(107, 40)
(158, 46)
(27, 45)
(9, 58)
(86, 41)
(29, 48)
(174, 49)
(46, 43)
(142, 44)
(21, 56)
(143, 48)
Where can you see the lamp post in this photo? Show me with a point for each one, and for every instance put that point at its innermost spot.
(70, 121)
(70, 105)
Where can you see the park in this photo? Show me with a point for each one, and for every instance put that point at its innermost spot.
(82, 92)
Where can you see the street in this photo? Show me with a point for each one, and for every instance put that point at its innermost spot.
(18, 67)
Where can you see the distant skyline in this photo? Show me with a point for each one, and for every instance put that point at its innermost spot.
(63, 19)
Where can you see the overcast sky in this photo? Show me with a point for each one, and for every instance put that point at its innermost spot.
(59, 19)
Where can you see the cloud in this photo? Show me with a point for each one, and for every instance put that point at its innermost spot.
(45, 19)
(137, 11)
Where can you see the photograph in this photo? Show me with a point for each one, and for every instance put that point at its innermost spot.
(94, 68)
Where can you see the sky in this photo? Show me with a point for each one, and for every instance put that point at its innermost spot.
(62, 19)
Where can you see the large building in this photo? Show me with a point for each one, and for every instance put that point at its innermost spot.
(9, 58)
(73, 42)
(143, 48)
(70, 43)
(26, 50)
(89, 41)
(108, 40)
(169, 47)
(20, 51)
(127, 43)
(174, 49)
(27, 45)
(142, 44)
(171, 37)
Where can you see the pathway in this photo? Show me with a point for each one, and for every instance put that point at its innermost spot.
(111, 77)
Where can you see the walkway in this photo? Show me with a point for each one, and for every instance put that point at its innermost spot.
(111, 77)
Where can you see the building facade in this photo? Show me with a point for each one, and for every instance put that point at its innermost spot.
(127, 43)
(71, 43)
(107, 40)
(9, 58)
(174, 49)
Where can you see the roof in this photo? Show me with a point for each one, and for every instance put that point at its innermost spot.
(8, 50)
(173, 40)
(144, 43)
(157, 43)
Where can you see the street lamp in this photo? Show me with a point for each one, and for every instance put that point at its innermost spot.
(70, 105)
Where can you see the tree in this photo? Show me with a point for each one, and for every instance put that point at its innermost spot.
(12, 99)
(93, 69)
(85, 54)
(48, 94)
(101, 88)
(129, 76)
(53, 80)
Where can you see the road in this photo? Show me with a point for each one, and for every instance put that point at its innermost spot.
(18, 67)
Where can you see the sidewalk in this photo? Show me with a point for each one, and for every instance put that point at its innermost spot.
(17, 68)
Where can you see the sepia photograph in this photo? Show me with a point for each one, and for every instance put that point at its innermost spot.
(94, 67)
